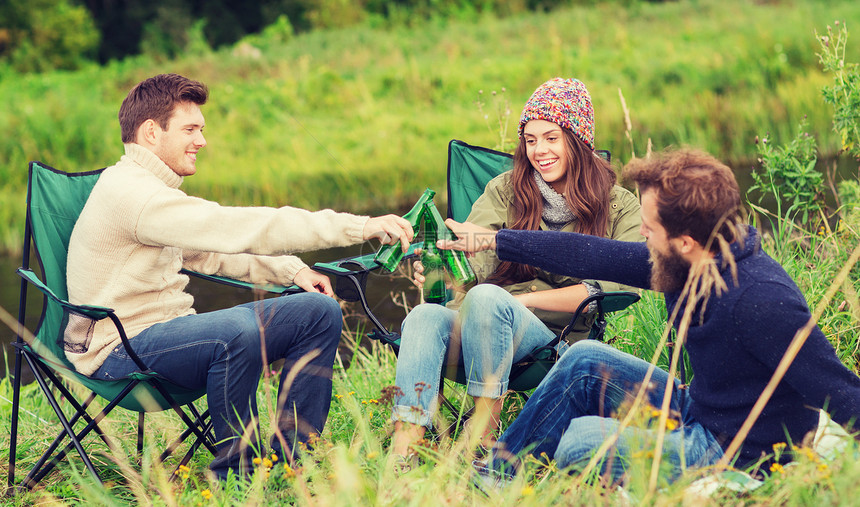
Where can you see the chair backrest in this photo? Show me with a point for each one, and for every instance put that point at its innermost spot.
(55, 199)
(470, 168)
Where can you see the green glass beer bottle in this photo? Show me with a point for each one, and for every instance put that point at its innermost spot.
(455, 261)
(390, 255)
(434, 267)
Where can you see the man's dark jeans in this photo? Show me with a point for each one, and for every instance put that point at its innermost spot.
(224, 351)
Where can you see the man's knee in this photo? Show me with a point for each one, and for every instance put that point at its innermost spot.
(313, 304)
(317, 313)
(582, 439)
(583, 356)
(328, 312)
(328, 307)
(240, 339)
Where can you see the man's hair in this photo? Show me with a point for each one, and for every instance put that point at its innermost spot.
(155, 98)
(697, 194)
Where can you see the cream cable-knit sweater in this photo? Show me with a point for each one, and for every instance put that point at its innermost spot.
(137, 230)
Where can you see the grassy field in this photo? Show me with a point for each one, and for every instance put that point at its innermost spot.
(359, 118)
(349, 465)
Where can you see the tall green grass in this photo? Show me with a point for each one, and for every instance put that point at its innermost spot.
(349, 464)
(358, 118)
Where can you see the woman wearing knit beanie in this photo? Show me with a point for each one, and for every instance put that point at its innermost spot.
(558, 182)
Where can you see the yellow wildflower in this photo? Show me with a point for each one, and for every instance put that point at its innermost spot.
(527, 491)
(776, 467)
(267, 463)
(206, 494)
(257, 461)
(274, 458)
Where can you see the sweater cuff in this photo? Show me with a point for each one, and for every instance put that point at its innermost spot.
(593, 289)
(354, 227)
(292, 265)
(505, 249)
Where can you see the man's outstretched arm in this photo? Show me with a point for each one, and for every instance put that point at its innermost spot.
(565, 253)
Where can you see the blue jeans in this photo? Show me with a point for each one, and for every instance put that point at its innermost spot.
(224, 352)
(570, 415)
(491, 332)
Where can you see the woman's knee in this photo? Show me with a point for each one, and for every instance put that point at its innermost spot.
(484, 297)
(426, 324)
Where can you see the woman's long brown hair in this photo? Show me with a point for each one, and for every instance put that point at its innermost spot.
(587, 189)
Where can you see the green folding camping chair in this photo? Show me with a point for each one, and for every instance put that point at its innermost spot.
(54, 202)
(470, 168)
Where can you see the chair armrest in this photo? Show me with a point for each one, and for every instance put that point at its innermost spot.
(359, 263)
(607, 302)
(93, 312)
(90, 311)
(615, 301)
(351, 284)
(223, 280)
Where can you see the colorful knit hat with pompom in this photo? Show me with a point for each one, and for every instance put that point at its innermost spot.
(564, 102)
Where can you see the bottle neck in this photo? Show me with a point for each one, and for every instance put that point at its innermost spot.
(430, 234)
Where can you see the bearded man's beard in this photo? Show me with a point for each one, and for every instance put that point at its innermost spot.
(669, 272)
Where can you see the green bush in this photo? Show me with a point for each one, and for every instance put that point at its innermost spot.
(40, 35)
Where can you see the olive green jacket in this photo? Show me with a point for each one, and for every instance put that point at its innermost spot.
(494, 210)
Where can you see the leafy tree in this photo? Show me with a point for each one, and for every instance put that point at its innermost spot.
(38, 35)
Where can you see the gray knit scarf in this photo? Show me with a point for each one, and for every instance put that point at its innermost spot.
(556, 212)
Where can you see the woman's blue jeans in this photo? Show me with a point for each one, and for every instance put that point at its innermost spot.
(491, 331)
(571, 413)
(224, 352)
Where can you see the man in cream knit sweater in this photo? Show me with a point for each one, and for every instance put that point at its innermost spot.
(138, 229)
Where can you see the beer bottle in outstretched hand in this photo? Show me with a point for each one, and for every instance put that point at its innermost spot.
(390, 255)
